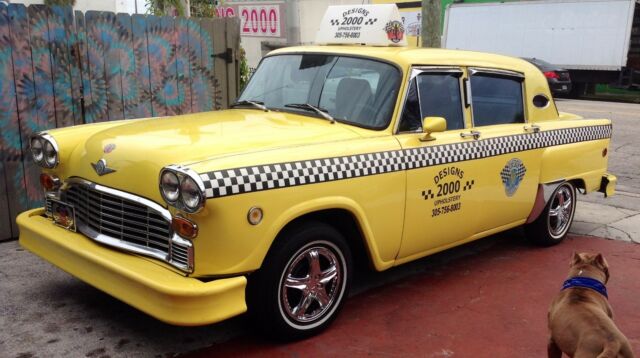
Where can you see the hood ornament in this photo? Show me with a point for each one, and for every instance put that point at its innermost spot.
(101, 167)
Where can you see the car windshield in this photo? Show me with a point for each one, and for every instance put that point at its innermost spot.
(352, 90)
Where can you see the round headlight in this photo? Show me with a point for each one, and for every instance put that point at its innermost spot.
(50, 154)
(191, 194)
(36, 150)
(170, 186)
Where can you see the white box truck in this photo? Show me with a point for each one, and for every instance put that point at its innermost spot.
(598, 41)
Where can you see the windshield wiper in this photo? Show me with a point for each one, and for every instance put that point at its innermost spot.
(257, 104)
(321, 111)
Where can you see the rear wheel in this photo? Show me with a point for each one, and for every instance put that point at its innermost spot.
(303, 283)
(553, 224)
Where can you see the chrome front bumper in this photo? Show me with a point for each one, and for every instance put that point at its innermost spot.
(142, 283)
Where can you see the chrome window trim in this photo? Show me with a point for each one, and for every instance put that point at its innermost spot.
(495, 71)
(131, 247)
(467, 97)
(415, 72)
(499, 72)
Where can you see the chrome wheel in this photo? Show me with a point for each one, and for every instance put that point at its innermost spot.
(312, 283)
(303, 282)
(561, 211)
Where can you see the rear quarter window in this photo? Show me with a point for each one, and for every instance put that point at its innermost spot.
(496, 99)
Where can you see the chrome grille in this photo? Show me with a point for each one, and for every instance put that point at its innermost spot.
(180, 254)
(125, 221)
(118, 218)
(48, 204)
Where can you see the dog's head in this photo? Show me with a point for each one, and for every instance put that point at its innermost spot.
(589, 265)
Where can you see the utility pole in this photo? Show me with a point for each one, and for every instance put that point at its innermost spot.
(430, 31)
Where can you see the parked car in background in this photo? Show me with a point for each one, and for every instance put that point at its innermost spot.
(558, 78)
(579, 35)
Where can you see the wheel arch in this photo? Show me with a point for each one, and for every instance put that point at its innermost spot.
(341, 213)
(546, 190)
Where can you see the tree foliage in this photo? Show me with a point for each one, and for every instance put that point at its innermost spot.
(203, 8)
(60, 2)
(245, 72)
(165, 7)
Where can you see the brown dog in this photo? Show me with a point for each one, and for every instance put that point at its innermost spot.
(580, 317)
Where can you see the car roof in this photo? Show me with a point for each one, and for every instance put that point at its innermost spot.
(408, 56)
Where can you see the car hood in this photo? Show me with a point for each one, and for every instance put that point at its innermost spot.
(139, 149)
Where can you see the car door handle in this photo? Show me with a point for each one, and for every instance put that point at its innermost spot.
(532, 128)
(472, 134)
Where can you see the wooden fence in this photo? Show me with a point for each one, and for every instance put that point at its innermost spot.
(60, 68)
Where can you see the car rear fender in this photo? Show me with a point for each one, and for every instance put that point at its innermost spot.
(542, 198)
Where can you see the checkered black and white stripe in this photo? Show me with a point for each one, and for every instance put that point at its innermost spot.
(227, 182)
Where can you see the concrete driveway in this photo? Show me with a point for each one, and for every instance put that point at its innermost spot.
(617, 217)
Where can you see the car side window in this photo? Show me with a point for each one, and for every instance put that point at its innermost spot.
(496, 99)
(433, 95)
(411, 120)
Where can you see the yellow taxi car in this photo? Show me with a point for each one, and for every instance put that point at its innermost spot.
(331, 152)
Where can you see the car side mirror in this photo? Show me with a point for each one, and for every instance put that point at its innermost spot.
(432, 125)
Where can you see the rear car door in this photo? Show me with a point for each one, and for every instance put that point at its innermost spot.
(507, 175)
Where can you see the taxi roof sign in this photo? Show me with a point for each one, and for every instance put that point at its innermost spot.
(375, 25)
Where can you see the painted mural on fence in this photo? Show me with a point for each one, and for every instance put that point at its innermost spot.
(60, 68)
(143, 66)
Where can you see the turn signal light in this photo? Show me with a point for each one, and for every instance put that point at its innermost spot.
(184, 227)
(49, 182)
(604, 152)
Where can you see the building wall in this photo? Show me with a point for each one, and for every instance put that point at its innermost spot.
(302, 22)
(409, 6)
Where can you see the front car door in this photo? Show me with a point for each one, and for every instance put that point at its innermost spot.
(438, 183)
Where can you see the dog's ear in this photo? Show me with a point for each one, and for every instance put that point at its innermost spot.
(602, 264)
(575, 259)
(600, 261)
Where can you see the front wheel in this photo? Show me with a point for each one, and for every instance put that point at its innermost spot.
(303, 283)
(553, 224)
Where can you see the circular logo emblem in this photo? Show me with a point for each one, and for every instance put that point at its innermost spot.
(395, 31)
(109, 148)
(512, 175)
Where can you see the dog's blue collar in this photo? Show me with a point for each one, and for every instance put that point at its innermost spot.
(586, 282)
